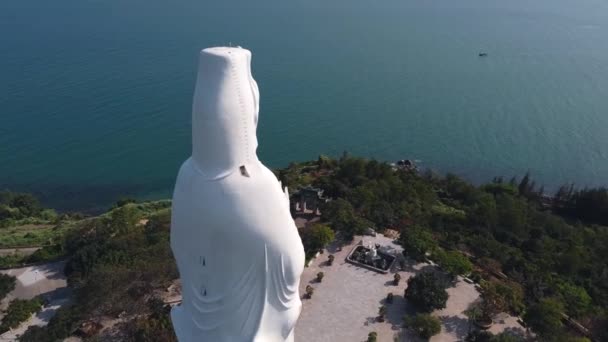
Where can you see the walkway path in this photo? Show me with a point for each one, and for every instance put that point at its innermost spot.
(18, 250)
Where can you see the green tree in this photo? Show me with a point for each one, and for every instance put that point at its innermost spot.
(424, 325)
(545, 317)
(124, 219)
(417, 241)
(339, 212)
(18, 205)
(61, 326)
(372, 336)
(427, 292)
(508, 294)
(317, 237)
(577, 301)
(49, 215)
(7, 284)
(453, 262)
(512, 213)
(591, 205)
(18, 311)
(484, 212)
(342, 217)
(27, 204)
(124, 201)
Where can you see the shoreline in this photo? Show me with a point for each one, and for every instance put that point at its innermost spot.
(96, 199)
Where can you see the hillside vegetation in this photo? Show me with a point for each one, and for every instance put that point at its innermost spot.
(525, 247)
(537, 257)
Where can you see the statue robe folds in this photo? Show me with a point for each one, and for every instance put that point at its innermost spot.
(237, 248)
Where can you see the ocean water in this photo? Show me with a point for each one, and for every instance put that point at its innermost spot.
(95, 95)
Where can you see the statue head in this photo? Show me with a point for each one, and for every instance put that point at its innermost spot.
(224, 112)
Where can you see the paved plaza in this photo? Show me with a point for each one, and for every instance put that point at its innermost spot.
(345, 304)
(47, 280)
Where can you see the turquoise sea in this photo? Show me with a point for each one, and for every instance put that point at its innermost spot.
(95, 95)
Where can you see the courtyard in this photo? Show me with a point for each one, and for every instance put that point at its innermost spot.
(345, 304)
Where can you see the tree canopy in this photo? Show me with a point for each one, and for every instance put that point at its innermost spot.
(453, 262)
(537, 254)
(317, 237)
(545, 317)
(16, 205)
(417, 241)
(424, 325)
(427, 292)
(529, 243)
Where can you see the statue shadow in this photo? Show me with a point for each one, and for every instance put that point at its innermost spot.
(336, 246)
(326, 263)
(516, 331)
(397, 310)
(457, 326)
(448, 280)
(408, 265)
(315, 281)
(390, 283)
(370, 320)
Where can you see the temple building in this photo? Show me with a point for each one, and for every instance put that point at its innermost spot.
(307, 200)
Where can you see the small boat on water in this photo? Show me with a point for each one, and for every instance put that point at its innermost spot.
(483, 54)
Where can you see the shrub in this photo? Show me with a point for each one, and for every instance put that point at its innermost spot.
(18, 311)
(46, 253)
(154, 327)
(320, 276)
(7, 284)
(60, 326)
(396, 279)
(479, 336)
(12, 260)
(309, 291)
(577, 300)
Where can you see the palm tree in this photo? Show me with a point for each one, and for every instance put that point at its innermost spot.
(320, 276)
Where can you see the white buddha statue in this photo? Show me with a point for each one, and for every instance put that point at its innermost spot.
(237, 248)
